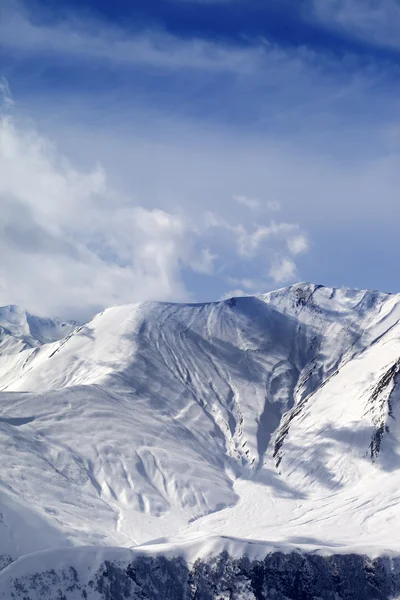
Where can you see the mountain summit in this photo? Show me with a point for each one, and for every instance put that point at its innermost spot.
(20, 330)
(248, 425)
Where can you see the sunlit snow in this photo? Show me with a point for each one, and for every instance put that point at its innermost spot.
(248, 424)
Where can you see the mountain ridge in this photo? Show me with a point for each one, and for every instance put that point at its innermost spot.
(257, 419)
(19, 329)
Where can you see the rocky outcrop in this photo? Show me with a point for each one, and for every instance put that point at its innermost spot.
(279, 576)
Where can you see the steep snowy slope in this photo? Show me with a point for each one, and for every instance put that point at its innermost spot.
(272, 418)
(337, 453)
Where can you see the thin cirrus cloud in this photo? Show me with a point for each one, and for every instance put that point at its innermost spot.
(374, 21)
(255, 204)
(96, 40)
(371, 21)
(280, 85)
(93, 40)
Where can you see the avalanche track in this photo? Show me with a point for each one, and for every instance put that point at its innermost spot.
(254, 425)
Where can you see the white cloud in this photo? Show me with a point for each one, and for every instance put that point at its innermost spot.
(250, 203)
(297, 244)
(250, 242)
(70, 243)
(283, 270)
(74, 245)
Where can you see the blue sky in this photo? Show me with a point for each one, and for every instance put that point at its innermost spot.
(191, 149)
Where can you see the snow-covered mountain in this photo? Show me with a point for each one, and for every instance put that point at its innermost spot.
(256, 426)
(20, 330)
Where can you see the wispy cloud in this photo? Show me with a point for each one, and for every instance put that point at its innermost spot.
(271, 86)
(283, 270)
(96, 40)
(374, 21)
(250, 203)
(92, 39)
(6, 99)
(250, 242)
(297, 244)
(74, 244)
(255, 204)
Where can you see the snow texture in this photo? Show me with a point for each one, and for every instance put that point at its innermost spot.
(265, 427)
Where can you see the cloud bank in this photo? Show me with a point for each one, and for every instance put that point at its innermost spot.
(74, 245)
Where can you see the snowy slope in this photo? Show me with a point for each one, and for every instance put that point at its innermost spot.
(272, 419)
(20, 330)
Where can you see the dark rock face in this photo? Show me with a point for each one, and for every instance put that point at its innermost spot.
(296, 577)
(279, 576)
(380, 407)
(5, 559)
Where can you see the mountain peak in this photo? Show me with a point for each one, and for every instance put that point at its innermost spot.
(259, 419)
(21, 329)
